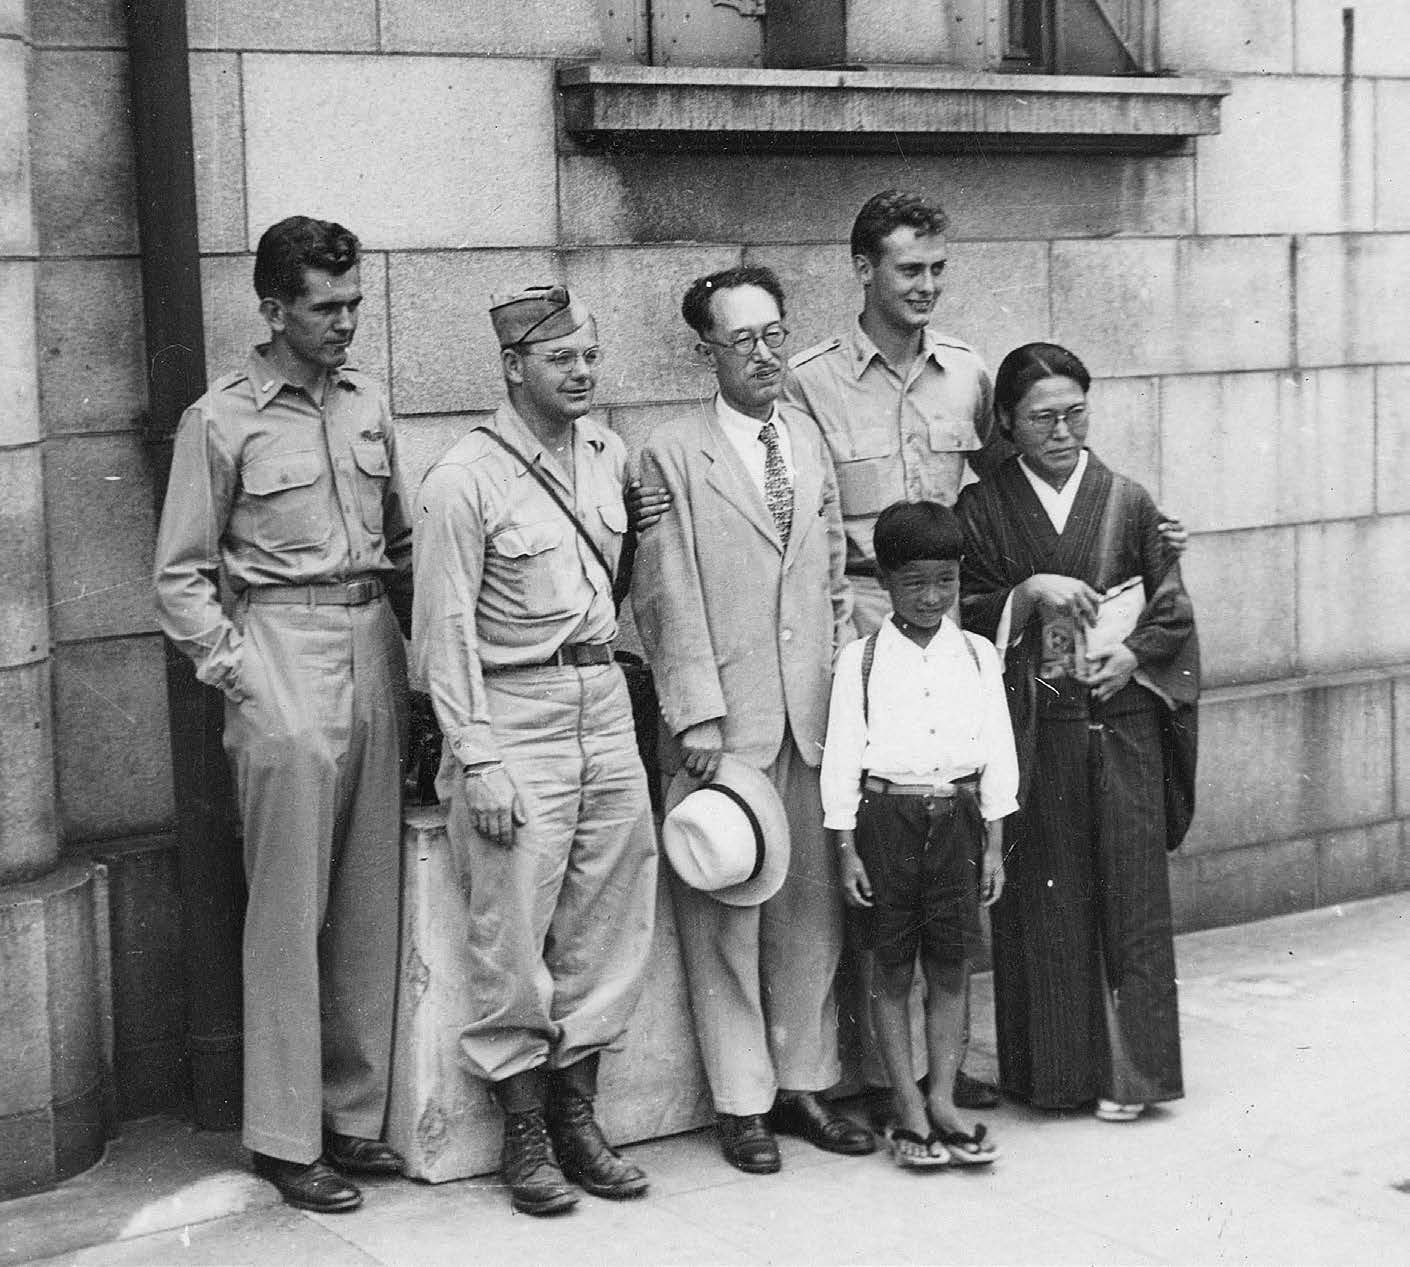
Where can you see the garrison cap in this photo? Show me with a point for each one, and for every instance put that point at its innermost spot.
(537, 314)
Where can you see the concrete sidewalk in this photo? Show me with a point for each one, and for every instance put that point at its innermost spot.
(1293, 1146)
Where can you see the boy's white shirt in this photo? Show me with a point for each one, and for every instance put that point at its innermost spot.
(933, 720)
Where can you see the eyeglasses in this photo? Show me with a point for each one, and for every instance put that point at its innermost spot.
(1046, 420)
(566, 358)
(744, 343)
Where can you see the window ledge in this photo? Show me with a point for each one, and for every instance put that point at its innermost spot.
(646, 107)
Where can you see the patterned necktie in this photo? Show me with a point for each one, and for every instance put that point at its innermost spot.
(778, 488)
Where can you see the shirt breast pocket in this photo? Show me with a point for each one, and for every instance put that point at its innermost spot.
(869, 477)
(952, 435)
(531, 568)
(374, 470)
(614, 516)
(281, 505)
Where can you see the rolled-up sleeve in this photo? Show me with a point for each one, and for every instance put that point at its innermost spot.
(187, 569)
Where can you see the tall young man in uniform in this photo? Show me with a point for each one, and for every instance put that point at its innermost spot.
(518, 538)
(284, 479)
(741, 602)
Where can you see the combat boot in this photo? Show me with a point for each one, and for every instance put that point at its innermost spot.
(583, 1151)
(526, 1164)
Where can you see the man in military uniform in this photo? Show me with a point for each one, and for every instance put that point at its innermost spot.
(284, 479)
(900, 405)
(520, 531)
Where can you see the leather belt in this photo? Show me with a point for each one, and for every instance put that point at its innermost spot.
(931, 791)
(365, 589)
(575, 655)
(860, 567)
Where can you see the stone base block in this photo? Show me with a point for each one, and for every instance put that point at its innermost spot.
(56, 1012)
(442, 1120)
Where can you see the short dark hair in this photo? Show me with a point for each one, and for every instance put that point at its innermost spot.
(300, 242)
(909, 531)
(893, 209)
(1030, 364)
(695, 307)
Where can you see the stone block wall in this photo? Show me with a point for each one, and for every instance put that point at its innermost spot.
(1241, 304)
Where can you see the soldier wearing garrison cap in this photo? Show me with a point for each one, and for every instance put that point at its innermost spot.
(518, 543)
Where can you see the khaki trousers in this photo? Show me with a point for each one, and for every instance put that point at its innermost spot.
(318, 747)
(761, 977)
(560, 923)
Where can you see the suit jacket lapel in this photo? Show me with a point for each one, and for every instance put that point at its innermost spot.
(728, 477)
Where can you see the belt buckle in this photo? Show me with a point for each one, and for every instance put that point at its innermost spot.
(360, 591)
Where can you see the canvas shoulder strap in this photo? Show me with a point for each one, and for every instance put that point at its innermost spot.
(973, 654)
(548, 488)
(868, 659)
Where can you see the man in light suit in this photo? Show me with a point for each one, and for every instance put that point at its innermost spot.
(741, 601)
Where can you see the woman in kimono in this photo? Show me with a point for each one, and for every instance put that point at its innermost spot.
(1084, 964)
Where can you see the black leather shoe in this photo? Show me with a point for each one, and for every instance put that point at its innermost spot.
(803, 1113)
(308, 1185)
(583, 1151)
(526, 1164)
(748, 1143)
(971, 1093)
(354, 1155)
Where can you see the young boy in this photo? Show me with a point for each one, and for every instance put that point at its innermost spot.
(918, 774)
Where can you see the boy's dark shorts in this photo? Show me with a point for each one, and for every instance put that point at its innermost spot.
(922, 858)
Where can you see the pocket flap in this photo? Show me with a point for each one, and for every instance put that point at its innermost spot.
(283, 470)
(953, 435)
(372, 459)
(870, 442)
(614, 515)
(523, 540)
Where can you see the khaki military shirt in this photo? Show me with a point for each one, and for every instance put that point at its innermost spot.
(502, 577)
(271, 488)
(894, 435)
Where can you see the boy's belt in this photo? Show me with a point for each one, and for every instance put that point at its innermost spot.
(931, 791)
(573, 655)
(356, 593)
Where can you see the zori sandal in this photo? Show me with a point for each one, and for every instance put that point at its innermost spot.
(968, 1148)
(1114, 1111)
(910, 1160)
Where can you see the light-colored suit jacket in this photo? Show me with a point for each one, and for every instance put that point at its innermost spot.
(735, 626)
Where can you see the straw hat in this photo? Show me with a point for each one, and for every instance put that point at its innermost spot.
(728, 837)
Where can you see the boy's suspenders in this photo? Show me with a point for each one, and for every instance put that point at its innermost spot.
(869, 658)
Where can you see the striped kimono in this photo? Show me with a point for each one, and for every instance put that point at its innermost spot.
(1084, 964)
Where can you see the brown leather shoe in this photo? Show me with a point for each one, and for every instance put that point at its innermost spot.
(354, 1155)
(308, 1185)
(804, 1113)
(586, 1157)
(526, 1164)
(748, 1144)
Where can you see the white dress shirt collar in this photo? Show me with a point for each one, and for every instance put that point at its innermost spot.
(742, 432)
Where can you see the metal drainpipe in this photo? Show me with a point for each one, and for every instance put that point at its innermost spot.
(212, 879)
